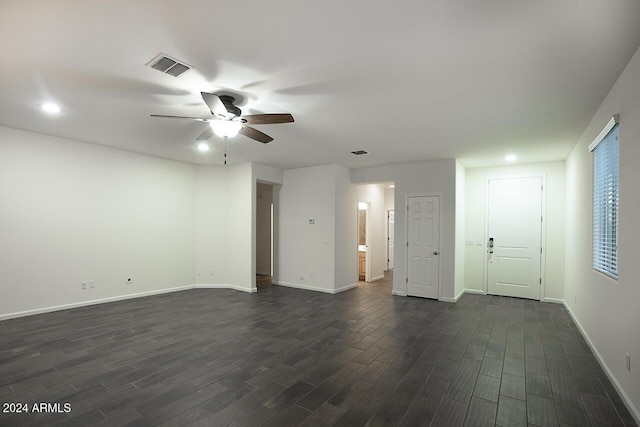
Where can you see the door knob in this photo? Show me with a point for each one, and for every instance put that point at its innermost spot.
(435, 252)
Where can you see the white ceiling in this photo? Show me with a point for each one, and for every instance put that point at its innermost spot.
(406, 80)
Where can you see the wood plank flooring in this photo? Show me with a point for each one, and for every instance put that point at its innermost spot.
(288, 357)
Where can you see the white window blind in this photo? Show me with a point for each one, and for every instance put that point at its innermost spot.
(606, 158)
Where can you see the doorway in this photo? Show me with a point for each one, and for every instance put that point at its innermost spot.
(264, 235)
(423, 243)
(514, 240)
(364, 267)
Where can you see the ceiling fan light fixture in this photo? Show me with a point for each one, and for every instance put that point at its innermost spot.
(51, 107)
(225, 128)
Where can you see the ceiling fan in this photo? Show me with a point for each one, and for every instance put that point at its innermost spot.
(228, 121)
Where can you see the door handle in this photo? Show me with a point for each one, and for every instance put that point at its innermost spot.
(435, 252)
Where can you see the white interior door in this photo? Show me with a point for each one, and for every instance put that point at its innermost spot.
(390, 238)
(423, 237)
(515, 228)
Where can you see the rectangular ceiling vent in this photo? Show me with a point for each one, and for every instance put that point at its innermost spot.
(359, 152)
(168, 65)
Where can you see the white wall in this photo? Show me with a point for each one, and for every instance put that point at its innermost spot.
(554, 217)
(241, 244)
(605, 309)
(225, 203)
(374, 195)
(434, 177)
(73, 212)
(263, 228)
(266, 174)
(460, 227)
(306, 256)
(389, 199)
(211, 228)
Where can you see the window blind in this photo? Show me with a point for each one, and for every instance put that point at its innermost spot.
(606, 158)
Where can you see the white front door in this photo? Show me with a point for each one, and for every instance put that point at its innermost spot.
(390, 238)
(423, 237)
(515, 231)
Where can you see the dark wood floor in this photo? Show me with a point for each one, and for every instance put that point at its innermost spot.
(286, 357)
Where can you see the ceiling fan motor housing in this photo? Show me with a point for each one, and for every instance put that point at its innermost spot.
(228, 104)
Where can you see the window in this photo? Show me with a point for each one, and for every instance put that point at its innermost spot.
(606, 158)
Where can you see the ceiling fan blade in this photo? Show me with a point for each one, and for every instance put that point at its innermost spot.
(180, 117)
(214, 103)
(205, 135)
(266, 119)
(255, 134)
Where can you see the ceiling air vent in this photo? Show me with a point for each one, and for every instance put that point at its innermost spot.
(168, 65)
(359, 152)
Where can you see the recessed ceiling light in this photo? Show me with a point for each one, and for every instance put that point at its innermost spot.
(511, 158)
(50, 107)
(203, 146)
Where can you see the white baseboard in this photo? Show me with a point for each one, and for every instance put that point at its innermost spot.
(462, 292)
(474, 291)
(346, 288)
(314, 288)
(554, 300)
(454, 299)
(51, 309)
(377, 278)
(222, 286)
(91, 302)
(628, 403)
(445, 299)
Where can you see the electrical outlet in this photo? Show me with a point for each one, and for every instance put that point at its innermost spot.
(628, 362)
(83, 286)
(301, 277)
(128, 281)
(211, 273)
(575, 299)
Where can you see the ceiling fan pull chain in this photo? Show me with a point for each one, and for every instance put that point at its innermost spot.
(225, 150)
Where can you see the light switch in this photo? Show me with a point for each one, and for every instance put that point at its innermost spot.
(312, 220)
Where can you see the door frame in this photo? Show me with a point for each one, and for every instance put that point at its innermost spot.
(543, 228)
(406, 238)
